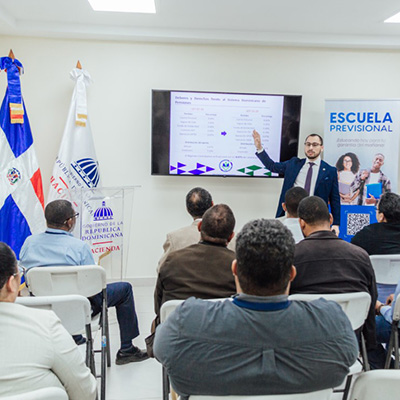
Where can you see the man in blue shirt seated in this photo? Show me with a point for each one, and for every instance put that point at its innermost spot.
(57, 246)
(260, 343)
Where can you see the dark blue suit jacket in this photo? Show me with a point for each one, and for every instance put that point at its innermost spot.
(326, 186)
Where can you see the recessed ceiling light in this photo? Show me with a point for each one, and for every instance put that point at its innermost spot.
(134, 6)
(395, 19)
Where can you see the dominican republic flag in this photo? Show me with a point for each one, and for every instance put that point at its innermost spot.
(76, 165)
(21, 190)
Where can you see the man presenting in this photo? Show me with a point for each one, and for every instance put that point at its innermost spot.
(260, 343)
(316, 176)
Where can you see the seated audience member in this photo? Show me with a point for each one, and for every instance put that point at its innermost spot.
(260, 343)
(203, 269)
(384, 236)
(36, 350)
(292, 199)
(327, 264)
(198, 201)
(56, 246)
(384, 316)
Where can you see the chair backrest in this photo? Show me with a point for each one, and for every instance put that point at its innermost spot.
(354, 305)
(49, 393)
(319, 395)
(169, 306)
(377, 384)
(86, 280)
(387, 268)
(73, 309)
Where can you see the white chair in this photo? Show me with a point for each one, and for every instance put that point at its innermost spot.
(74, 322)
(375, 385)
(393, 345)
(50, 393)
(387, 273)
(319, 395)
(86, 280)
(356, 307)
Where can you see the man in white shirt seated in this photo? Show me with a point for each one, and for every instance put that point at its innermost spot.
(36, 350)
(292, 199)
(198, 201)
(57, 246)
(260, 343)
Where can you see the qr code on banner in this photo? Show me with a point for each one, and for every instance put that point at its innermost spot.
(355, 222)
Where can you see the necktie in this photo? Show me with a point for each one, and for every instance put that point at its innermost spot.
(307, 185)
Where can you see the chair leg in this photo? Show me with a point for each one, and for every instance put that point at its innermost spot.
(165, 383)
(108, 348)
(396, 349)
(364, 354)
(103, 346)
(390, 346)
(89, 351)
(347, 387)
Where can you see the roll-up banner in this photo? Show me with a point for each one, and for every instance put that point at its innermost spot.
(362, 140)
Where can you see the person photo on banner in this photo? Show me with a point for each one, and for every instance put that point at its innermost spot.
(371, 183)
(348, 166)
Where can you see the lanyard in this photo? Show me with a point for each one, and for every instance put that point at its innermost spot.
(261, 306)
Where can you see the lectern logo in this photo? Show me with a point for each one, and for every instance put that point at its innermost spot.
(103, 213)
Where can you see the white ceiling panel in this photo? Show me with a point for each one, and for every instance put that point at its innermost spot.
(351, 23)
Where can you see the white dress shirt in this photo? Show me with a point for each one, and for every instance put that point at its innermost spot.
(294, 226)
(37, 352)
(301, 177)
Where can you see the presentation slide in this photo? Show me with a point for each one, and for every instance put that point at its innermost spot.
(211, 133)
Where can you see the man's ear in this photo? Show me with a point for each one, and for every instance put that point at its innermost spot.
(302, 224)
(381, 217)
(284, 206)
(231, 236)
(199, 226)
(330, 219)
(293, 273)
(234, 267)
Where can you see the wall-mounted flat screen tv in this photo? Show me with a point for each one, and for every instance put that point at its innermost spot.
(210, 133)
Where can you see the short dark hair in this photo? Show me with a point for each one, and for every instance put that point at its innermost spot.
(389, 206)
(292, 199)
(313, 210)
(8, 263)
(354, 161)
(264, 254)
(217, 224)
(57, 212)
(316, 134)
(198, 201)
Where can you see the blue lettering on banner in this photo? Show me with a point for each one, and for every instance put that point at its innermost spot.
(359, 117)
(360, 128)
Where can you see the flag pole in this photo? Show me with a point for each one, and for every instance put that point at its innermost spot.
(78, 65)
(11, 55)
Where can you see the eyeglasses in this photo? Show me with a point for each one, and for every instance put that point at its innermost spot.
(315, 144)
(22, 270)
(74, 216)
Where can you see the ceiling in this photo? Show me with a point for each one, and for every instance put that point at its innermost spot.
(339, 23)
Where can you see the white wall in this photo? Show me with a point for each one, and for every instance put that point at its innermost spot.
(120, 112)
